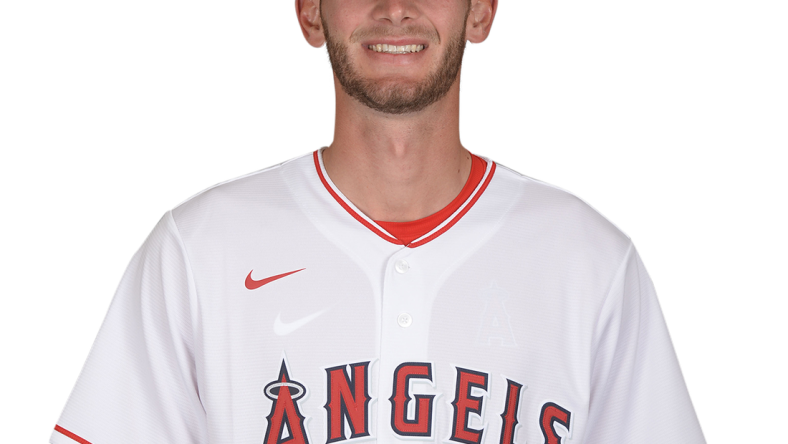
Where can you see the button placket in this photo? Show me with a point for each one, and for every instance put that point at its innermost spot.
(404, 319)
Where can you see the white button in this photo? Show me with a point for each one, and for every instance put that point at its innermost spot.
(402, 266)
(404, 320)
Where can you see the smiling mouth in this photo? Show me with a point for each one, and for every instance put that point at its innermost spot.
(394, 49)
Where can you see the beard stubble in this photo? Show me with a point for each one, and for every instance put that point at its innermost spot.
(397, 98)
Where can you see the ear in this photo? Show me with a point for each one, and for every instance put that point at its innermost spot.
(480, 20)
(308, 12)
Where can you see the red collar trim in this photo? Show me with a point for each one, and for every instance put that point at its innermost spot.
(377, 229)
(350, 209)
(460, 213)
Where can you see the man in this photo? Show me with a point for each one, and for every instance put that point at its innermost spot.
(392, 287)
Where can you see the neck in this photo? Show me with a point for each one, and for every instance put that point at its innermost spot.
(398, 168)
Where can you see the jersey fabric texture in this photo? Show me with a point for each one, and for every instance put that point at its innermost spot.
(268, 309)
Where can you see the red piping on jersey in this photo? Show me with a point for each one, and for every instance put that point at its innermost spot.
(350, 210)
(386, 236)
(71, 435)
(458, 216)
(407, 232)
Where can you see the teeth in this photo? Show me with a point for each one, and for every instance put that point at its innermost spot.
(393, 49)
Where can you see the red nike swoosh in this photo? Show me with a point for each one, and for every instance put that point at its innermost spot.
(253, 284)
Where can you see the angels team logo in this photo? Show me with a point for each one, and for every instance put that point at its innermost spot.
(348, 398)
(285, 421)
(495, 326)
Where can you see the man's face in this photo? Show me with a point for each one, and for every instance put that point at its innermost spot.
(391, 80)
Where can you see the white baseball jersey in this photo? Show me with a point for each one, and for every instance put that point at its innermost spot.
(270, 310)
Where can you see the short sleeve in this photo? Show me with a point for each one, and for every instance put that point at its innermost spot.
(638, 393)
(139, 383)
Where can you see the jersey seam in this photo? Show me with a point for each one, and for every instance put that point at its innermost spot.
(193, 285)
(619, 272)
(452, 267)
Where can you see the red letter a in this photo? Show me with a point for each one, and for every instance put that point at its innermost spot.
(285, 418)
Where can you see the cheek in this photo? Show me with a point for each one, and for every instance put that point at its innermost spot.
(447, 16)
(344, 16)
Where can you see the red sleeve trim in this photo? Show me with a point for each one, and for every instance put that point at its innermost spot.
(71, 435)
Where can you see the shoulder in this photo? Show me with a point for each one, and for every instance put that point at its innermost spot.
(559, 220)
(258, 196)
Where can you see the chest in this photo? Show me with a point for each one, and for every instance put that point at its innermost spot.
(393, 345)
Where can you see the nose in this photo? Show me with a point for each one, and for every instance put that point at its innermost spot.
(397, 12)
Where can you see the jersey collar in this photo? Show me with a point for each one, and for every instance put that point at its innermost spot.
(380, 231)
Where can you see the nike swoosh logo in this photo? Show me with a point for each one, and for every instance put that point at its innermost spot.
(253, 284)
(282, 328)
